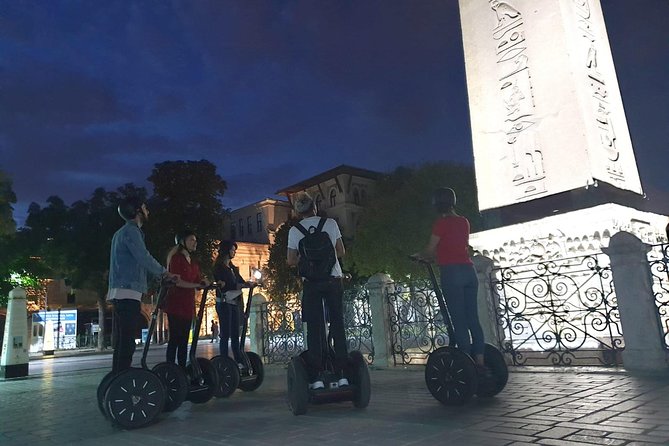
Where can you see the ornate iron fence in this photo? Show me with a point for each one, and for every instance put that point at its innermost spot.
(561, 312)
(416, 325)
(283, 335)
(658, 260)
(282, 331)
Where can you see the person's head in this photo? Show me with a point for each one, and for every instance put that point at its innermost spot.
(133, 209)
(304, 205)
(443, 199)
(187, 240)
(227, 249)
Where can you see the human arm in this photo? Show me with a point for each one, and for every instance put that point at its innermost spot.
(292, 256)
(339, 248)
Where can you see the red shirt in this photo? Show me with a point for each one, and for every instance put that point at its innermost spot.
(181, 301)
(453, 246)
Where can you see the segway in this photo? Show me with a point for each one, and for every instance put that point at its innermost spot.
(252, 372)
(135, 397)
(201, 375)
(356, 372)
(451, 375)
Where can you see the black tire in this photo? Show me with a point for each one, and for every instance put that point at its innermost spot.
(258, 372)
(175, 382)
(450, 376)
(491, 385)
(358, 376)
(135, 398)
(298, 386)
(202, 390)
(102, 390)
(228, 376)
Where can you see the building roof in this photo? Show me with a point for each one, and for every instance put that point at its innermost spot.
(328, 175)
(264, 202)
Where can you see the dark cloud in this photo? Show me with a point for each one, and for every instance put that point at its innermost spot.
(272, 92)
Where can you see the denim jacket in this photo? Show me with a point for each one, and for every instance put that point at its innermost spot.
(129, 260)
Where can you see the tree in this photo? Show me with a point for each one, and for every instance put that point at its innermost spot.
(399, 220)
(7, 199)
(282, 282)
(186, 195)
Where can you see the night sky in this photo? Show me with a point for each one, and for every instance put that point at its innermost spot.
(94, 93)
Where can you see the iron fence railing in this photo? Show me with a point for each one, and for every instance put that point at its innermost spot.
(560, 312)
(658, 260)
(416, 325)
(284, 337)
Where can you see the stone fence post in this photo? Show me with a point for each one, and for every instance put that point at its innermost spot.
(378, 285)
(632, 280)
(487, 300)
(255, 324)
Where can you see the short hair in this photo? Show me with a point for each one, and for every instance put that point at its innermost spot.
(303, 203)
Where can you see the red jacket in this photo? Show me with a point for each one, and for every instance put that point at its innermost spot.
(181, 301)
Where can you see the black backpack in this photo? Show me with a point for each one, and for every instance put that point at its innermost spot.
(317, 255)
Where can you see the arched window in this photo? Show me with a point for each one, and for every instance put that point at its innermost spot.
(363, 196)
(319, 200)
(356, 196)
(333, 197)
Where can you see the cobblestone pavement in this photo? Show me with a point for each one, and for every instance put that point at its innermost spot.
(548, 408)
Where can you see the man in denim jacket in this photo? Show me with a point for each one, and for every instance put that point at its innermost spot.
(129, 263)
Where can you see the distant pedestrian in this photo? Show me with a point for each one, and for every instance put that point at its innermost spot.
(181, 298)
(449, 244)
(214, 330)
(129, 263)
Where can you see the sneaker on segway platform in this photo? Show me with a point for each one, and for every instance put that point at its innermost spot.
(316, 385)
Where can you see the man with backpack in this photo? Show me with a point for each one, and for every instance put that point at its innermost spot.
(314, 246)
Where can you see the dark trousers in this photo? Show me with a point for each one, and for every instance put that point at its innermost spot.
(177, 346)
(460, 286)
(127, 315)
(319, 298)
(228, 320)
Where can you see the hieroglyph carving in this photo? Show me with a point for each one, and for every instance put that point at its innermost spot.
(599, 94)
(515, 86)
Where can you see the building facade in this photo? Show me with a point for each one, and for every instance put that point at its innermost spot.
(340, 193)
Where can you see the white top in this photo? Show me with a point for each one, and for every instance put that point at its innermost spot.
(332, 229)
(123, 293)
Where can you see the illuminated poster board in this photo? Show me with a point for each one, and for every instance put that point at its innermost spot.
(545, 107)
(64, 323)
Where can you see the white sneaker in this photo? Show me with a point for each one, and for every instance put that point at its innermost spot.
(342, 382)
(316, 385)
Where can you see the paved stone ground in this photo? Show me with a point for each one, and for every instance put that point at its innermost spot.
(548, 408)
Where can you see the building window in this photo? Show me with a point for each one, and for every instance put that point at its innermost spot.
(363, 196)
(333, 197)
(259, 222)
(248, 225)
(241, 228)
(319, 200)
(356, 196)
(233, 232)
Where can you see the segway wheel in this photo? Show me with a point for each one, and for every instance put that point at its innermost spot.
(102, 390)
(135, 398)
(228, 376)
(175, 382)
(359, 378)
(491, 385)
(258, 373)
(450, 376)
(298, 386)
(202, 389)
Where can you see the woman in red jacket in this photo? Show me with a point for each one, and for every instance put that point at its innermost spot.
(181, 298)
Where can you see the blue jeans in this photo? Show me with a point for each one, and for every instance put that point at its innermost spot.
(228, 319)
(460, 286)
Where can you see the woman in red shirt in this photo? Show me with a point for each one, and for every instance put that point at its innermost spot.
(449, 244)
(181, 298)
